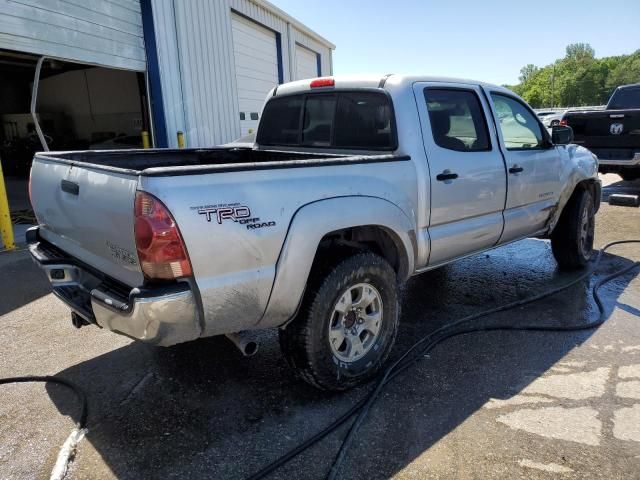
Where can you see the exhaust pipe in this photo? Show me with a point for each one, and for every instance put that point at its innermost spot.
(244, 342)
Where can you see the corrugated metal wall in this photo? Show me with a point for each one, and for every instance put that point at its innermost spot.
(102, 32)
(208, 79)
(308, 42)
(195, 53)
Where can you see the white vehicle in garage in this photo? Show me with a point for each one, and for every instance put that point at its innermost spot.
(353, 185)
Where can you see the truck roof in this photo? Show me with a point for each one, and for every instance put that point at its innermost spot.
(630, 85)
(374, 81)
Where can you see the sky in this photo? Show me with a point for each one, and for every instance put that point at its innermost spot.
(488, 40)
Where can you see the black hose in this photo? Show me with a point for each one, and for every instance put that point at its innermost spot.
(428, 342)
(80, 395)
(397, 367)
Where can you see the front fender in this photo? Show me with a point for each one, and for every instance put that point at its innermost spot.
(309, 225)
(580, 166)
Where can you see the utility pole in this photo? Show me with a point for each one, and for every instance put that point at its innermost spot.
(553, 86)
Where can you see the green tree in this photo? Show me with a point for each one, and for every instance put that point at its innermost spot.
(577, 79)
(527, 72)
(580, 52)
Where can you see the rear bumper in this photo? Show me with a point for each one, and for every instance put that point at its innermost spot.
(633, 162)
(163, 316)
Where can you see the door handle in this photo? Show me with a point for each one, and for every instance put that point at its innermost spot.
(516, 169)
(446, 175)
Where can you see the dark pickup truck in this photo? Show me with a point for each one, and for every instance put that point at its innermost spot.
(613, 134)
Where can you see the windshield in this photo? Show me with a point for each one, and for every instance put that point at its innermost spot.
(346, 120)
(625, 98)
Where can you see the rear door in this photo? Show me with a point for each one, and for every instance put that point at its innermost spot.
(468, 184)
(88, 213)
(534, 167)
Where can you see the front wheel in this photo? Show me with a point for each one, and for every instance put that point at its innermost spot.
(572, 239)
(347, 324)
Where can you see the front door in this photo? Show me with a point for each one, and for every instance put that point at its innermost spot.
(468, 179)
(533, 165)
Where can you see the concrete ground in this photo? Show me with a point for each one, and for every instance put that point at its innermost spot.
(490, 405)
(18, 196)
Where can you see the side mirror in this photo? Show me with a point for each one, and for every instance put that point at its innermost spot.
(561, 135)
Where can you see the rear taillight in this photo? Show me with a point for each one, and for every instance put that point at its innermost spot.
(161, 250)
(322, 82)
(563, 121)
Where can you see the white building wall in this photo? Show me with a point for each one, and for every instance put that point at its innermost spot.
(169, 67)
(197, 70)
(300, 38)
(267, 18)
(101, 32)
(208, 76)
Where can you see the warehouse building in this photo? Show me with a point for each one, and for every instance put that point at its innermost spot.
(115, 68)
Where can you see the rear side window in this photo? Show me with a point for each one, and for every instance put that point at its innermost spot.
(457, 119)
(347, 120)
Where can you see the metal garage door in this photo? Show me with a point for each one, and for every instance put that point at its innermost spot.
(92, 31)
(306, 63)
(256, 58)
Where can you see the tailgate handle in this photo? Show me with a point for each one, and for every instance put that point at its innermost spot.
(70, 187)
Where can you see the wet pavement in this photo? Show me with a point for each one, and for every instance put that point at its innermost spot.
(490, 405)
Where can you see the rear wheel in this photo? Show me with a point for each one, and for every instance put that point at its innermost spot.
(347, 324)
(572, 239)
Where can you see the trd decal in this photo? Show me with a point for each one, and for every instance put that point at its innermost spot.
(225, 213)
(253, 226)
(232, 211)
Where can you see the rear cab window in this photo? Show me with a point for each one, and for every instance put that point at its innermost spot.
(625, 98)
(354, 120)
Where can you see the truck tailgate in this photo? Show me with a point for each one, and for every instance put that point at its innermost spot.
(606, 128)
(89, 213)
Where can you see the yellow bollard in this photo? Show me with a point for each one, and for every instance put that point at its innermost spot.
(180, 140)
(145, 139)
(6, 229)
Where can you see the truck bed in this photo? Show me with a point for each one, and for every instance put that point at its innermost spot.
(158, 162)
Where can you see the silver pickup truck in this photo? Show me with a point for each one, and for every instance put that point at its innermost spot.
(353, 186)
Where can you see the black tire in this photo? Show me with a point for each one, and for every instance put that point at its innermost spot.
(629, 175)
(572, 238)
(305, 340)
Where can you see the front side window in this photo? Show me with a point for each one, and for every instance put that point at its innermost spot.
(457, 119)
(520, 129)
(350, 120)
